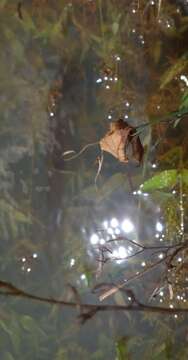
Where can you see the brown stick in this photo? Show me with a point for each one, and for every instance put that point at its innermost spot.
(86, 308)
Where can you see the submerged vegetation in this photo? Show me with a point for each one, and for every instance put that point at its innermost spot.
(70, 71)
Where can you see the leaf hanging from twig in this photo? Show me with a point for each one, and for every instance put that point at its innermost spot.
(118, 139)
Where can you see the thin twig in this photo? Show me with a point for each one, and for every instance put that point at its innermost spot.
(159, 7)
(127, 281)
(167, 260)
(19, 10)
(99, 167)
(81, 151)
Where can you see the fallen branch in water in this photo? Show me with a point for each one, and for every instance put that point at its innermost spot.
(87, 310)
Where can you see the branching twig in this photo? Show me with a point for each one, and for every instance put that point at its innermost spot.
(169, 253)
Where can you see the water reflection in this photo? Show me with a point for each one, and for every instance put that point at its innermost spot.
(159, 226)
(127, 226)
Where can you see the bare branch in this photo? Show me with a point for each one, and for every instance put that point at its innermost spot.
(89, 310)
(169, 254)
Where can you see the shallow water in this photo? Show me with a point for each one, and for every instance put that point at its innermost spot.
(69, 69)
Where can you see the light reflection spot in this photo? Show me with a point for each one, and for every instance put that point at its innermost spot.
(102, 241)
(94, 239)
(122, 252)
(127, 226)
(105, 224)
(117, 231)
(159, 226)
(72, 262)
(114, 222)
(83, 277)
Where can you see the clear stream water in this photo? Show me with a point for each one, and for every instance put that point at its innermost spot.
(64, 77)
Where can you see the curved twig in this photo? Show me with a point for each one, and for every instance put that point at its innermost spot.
(80, 152)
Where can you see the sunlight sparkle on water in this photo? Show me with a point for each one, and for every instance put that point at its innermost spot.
(117, 58)
(72, 262)
(110, 231)
(185, 79)
(102, 241)
(94, 239)
(122, 252)
(105, 224)
(117, 231)
(127, 226)
(114, 222)
(159, 226)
